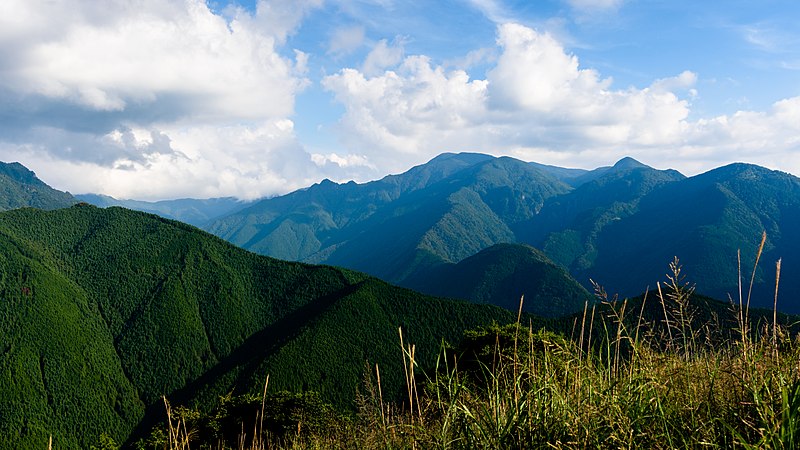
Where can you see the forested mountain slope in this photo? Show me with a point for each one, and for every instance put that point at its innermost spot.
(705, 220)
(501, 275)
(619, 225)
(19, 187)
(105, 310)
(443, 211)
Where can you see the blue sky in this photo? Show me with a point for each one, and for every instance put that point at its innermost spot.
(158, 99)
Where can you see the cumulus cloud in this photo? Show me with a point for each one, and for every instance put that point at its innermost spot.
(164, 98)
(249, 161)
(538, 103)
(78, 81)
(280, 18)
(401, 115)
(190, 61)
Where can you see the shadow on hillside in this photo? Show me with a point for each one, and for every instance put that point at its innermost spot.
(244, 360)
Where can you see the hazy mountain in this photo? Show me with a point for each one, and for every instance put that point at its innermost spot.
(19, 187)
(105, 310)
(197, 212)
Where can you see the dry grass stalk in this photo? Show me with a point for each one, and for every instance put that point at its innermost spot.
(755, 266)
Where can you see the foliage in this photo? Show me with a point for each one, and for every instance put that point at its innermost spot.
(503, 273)
(523, 386)
(442, 211)
(104, 311)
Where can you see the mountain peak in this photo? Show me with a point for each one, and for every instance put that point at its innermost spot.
(21, 188)
(466, 157)
(629, 163)
(18, 172)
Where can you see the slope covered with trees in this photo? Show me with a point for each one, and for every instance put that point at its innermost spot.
(617, 225)
(403, 225)
(106, 310)
(19, 187)
(501, 275)
(706, 220)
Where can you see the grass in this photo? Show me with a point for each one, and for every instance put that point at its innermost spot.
(623, 379)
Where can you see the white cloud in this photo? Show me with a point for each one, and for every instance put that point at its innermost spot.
(382, 56)
(280, 18)
(345, 161)
(492, 9)
(163, 98)
(533, 72)
(190, 61)
(402, 115)
(154, 98)
(249, 161)
(538, 103)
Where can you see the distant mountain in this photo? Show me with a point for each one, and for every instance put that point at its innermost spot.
(704, 220)
(619, 225)
(105, 310)
(503, 273)
(19, 187)
(568, 226)
(197, 212)
(440, 212)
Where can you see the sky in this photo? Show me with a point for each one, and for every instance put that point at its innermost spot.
(161, 99)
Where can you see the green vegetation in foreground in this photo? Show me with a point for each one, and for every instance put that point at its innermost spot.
(665, 371)
(104, 311)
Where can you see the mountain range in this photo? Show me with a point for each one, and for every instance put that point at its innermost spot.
(104, 310)
(619, 226)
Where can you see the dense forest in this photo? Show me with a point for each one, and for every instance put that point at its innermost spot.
(106, 310)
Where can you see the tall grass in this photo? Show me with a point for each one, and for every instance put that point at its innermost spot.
(626, 380)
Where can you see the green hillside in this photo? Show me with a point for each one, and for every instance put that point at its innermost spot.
(105, 310)
(303, 224)
(501, 274)
(19, 187)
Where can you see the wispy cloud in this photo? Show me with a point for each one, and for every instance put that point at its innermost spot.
(493, 10)
(345, 40)
(595, 5)
(383, 55)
